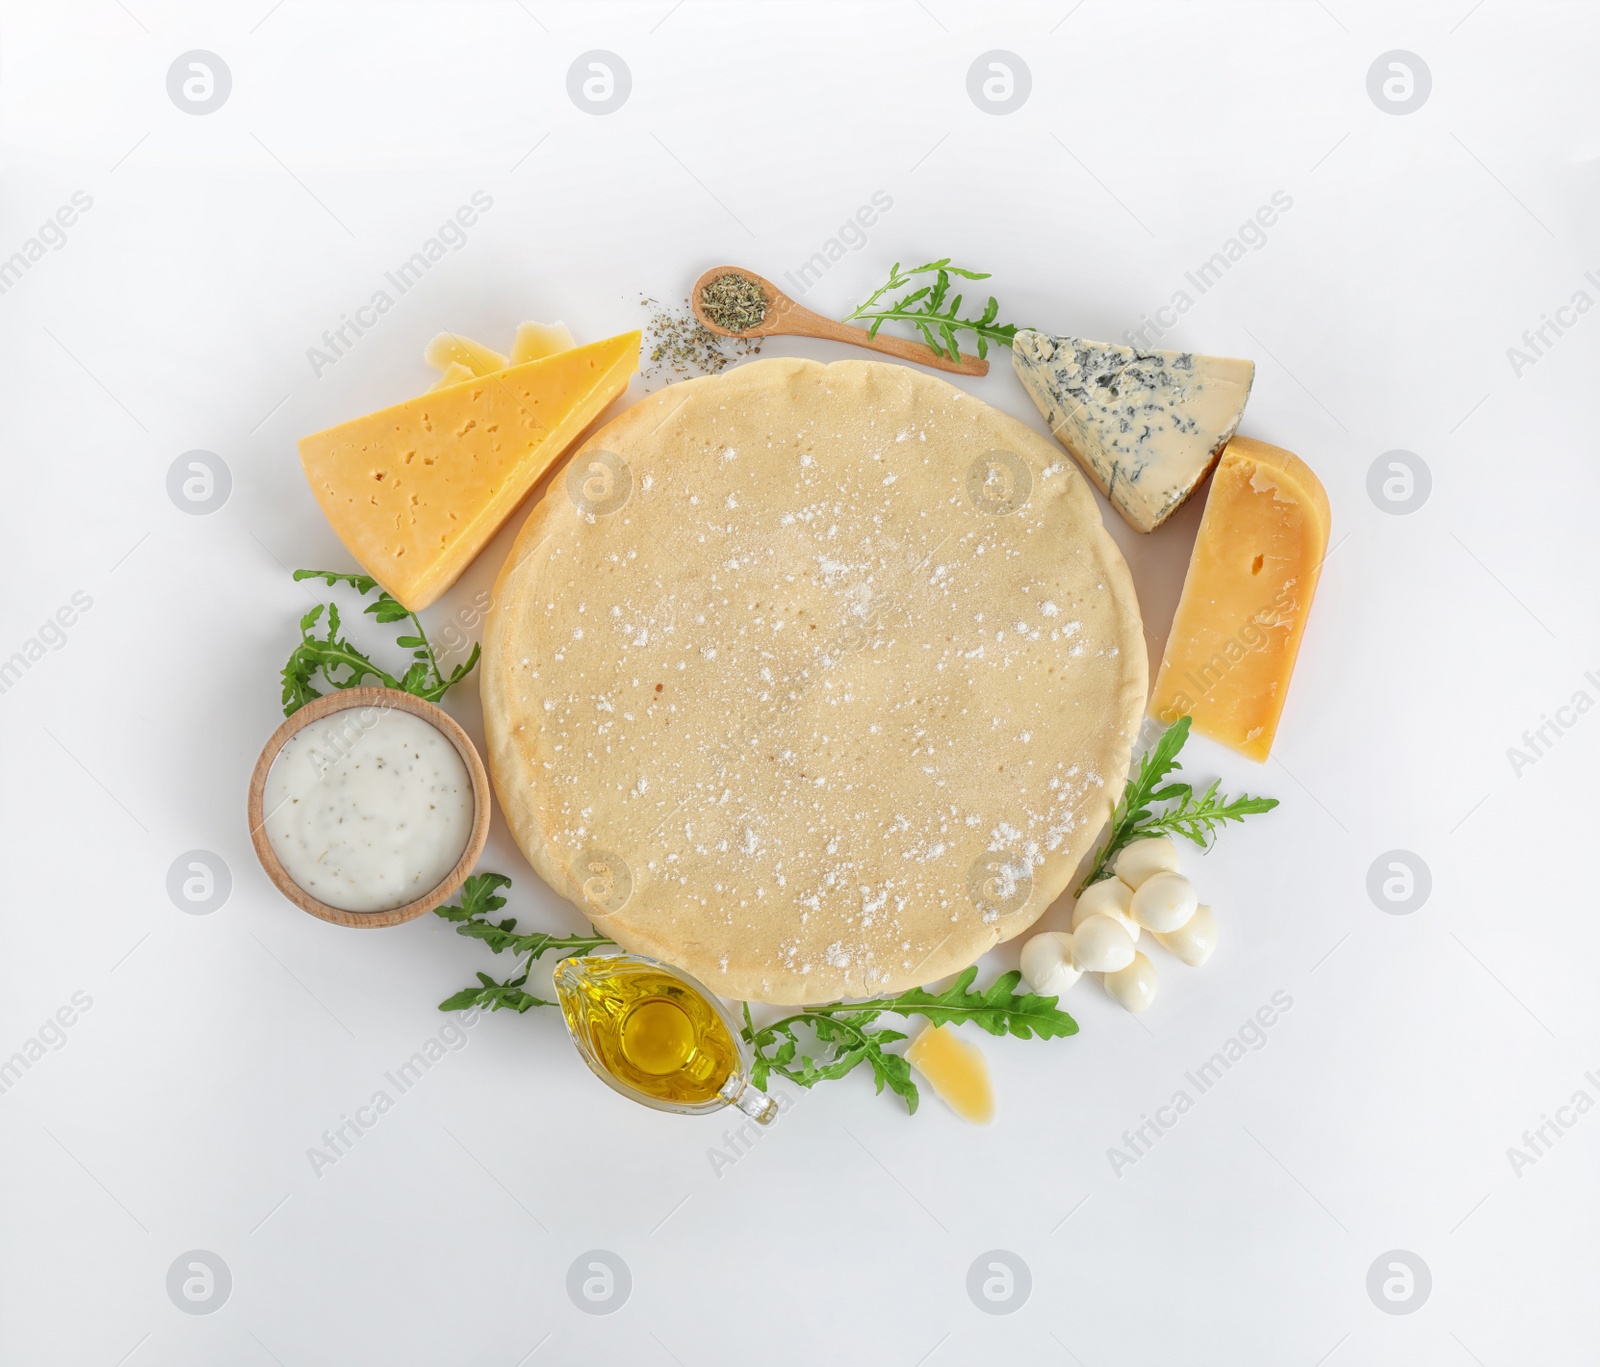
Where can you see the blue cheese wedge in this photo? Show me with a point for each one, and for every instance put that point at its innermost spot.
(1147, 426)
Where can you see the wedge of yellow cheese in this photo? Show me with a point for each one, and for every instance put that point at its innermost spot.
(1245, 600)
(417, 490)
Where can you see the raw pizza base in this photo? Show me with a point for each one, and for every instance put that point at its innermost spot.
(814, 681)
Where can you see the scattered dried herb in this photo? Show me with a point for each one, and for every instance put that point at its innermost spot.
(676, 344)
(734, 302)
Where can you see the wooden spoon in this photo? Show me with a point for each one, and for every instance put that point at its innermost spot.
(785, 318)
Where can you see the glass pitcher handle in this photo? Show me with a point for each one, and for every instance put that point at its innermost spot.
(756, 1104)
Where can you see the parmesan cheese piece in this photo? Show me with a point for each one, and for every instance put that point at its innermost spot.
(956, 1071)
(1146, 425)
(1245, 599)
(454, 373)
(417, 490)
(537, 340)
(447, 350)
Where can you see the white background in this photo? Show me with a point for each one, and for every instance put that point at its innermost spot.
(179, 1110)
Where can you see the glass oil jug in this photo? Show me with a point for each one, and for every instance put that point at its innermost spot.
(656, 1035)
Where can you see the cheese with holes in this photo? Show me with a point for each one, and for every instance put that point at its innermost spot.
(1145, 425)
(1246, 597)
(417, 490)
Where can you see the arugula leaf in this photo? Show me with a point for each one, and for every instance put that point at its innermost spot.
(926, 309)
(893, 1071)
(479, 898)
(818, 1044)
(848, 1035)
(341, 665)
(493, 996)
(845, 1044)
(999, 1010)
(1195, 819)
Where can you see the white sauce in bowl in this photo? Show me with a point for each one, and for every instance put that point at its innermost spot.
(369, 808)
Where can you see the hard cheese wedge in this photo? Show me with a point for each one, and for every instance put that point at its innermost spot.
(1245, 600)
(955, 1070)
(1146, 425)
(416, 491)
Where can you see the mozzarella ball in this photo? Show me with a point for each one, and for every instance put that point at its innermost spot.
(1194, 940)
(1135, 985)
(1163, 902)
(1047, 963)
(1145, 857)
(1108, 897)
(1101, 945)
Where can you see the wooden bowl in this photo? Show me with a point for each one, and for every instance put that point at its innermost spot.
(341, 701)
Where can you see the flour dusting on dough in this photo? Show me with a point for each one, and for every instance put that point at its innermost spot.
(844, 726)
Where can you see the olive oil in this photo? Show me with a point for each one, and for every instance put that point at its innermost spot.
(655, 1034)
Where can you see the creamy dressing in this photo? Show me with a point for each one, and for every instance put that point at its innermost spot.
(369, 808)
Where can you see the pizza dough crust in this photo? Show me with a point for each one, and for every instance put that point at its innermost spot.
(814, 681)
